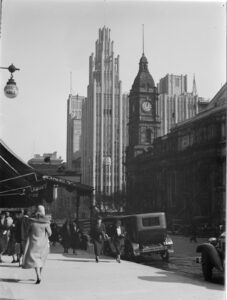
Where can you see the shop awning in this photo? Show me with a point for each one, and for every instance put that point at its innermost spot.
(21, 185)
(82, 189)
(17, 179)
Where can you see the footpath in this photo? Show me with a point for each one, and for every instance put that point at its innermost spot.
(79, 277)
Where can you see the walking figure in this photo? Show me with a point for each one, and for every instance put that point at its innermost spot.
(98, 234)
(118, 237)
(193, 233)
(37, 246)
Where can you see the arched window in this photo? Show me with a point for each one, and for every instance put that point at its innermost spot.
(148, 136)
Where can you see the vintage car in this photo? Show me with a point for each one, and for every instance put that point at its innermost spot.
(146, 234)
(212, 256)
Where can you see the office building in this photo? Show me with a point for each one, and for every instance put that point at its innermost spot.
(74, 114)
(175, 103)
(103, 120)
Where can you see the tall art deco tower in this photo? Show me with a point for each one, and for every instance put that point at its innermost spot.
(102, 120)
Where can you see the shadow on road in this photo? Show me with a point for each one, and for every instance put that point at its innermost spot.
(170, 277)
(80, 260)
(9, 280)
(14, 280)
(9, 266)
(10, 299)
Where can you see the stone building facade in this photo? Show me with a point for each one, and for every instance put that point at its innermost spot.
(184, 174)
(67, 203)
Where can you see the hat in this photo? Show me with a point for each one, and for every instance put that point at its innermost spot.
(40, 210)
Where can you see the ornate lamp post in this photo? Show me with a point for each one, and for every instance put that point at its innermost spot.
(11, 89)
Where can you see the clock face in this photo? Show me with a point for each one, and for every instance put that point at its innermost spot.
(146, 106)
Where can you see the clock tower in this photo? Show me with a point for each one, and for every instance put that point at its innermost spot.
(143, 119)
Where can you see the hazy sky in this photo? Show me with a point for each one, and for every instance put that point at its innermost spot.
(48, 39)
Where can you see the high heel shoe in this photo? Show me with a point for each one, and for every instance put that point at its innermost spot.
(38, 281)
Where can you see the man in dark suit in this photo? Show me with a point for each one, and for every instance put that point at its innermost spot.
(98, 234)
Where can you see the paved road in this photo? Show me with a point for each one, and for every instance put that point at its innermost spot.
(69, 277)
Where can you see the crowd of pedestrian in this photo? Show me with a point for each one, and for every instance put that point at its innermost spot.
(13, 234)
(27, 238)
(71, 236)
(99, 236)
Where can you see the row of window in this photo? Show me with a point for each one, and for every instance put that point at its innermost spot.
(193, 136)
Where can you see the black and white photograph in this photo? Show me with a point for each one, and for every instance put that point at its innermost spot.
(112, 150)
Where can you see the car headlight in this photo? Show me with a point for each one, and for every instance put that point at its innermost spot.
(168, 241)
(135, 246)
(213, 241)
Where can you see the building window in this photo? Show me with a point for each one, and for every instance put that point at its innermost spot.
(148, 136)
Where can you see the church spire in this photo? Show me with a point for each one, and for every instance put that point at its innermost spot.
(143, 38)
(194, 89)
(71, 89)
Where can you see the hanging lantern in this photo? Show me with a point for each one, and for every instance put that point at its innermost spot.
(11, 89)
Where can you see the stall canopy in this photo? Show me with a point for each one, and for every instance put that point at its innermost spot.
(21, 185)
(18, 181)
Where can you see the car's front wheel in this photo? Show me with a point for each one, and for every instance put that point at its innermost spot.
(128, 253)
(206, 267)
(165, 256)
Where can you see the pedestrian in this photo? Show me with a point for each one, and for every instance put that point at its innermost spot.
(118, 238)
(8, 223)
(66, 236)
(25, 224)
(54, 236)
(98, 234)
(37, 246)
(193, 233)
(11, 247)
(3, 235)
(75, 236)
(17, 236)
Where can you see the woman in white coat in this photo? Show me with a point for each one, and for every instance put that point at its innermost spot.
(37, 246)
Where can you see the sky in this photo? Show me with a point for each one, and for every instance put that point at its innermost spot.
(49, 39)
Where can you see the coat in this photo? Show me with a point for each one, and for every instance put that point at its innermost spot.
(3, 236)
(98, 232)
(25, 225)
(98, 235)
(118, 240)
(75, 237)
(37, 245)
(66, 235)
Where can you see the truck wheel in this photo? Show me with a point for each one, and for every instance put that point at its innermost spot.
(165, 256)
(206, 267)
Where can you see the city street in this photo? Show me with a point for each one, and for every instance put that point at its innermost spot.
(67, 276)
(113, 139)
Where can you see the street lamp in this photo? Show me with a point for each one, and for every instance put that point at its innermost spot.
(11, 89)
